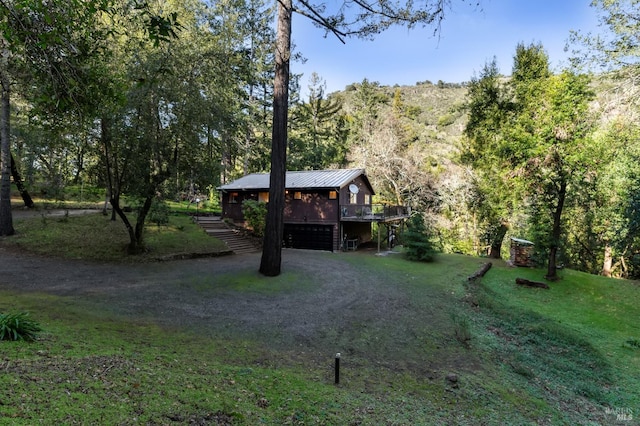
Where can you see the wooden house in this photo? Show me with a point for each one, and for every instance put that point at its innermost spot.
(324, 209)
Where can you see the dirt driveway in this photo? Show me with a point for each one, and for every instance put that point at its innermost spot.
(328, 294)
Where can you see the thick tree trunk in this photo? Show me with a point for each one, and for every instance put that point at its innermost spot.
(608, 260)
(552, 270)
(6, 219)
(17, 179)
(496, 243)
(137, 246)
(115, 204)
(270, 263)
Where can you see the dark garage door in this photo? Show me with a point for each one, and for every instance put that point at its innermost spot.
(314, 237)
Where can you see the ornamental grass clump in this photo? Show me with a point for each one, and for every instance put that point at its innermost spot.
(18, 326)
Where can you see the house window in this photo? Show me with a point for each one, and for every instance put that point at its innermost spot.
(367, 199)
(333, 195)
(263, 197)
(297, 195)
(233, 197)
(353, 198)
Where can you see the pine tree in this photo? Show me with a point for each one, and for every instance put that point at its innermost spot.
(418, 240)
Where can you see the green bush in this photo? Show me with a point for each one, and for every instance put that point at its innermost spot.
(159, 213)
(18, 326)
(255, 213)
(418, 241)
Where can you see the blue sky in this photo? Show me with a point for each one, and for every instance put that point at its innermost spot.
(469, 38)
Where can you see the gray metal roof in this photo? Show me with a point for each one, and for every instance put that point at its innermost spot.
(297, 180)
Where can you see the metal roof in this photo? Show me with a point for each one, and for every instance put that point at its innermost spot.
(298, 180)
(522, 242)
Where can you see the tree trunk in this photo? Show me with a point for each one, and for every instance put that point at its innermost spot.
(527, 283)
(272, 246)
(137, 246)
(608, 260)
(115, 204)
(496, 242)
(113, 177)
(552, 270)
(6, 219)
(17, 179)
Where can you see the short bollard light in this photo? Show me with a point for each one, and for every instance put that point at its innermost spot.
(337, 368)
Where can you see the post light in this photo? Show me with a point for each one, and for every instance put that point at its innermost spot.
(197, 205)
(337, 368)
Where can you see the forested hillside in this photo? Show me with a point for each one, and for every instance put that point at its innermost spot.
(415, 144)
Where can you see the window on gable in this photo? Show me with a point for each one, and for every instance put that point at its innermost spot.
(353, 198)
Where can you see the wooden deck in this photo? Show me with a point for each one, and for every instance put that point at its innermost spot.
(373, 213)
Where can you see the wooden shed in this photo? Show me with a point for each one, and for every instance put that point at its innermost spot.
(521, 252)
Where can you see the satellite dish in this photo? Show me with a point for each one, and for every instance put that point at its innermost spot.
(353, 188)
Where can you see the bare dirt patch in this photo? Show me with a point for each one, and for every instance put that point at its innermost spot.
(331, 305)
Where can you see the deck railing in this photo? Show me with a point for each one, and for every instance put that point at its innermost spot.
(373, 211)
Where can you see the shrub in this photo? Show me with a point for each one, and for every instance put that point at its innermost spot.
(418, 241)
(255, 213)
(159, 213)
(18, 326)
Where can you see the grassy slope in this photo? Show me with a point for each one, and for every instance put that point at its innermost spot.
(96, 237)
(560, 356)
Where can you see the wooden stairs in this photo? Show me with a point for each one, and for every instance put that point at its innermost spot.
(233, 238)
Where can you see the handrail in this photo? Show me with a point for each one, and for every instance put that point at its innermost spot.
(373, 211)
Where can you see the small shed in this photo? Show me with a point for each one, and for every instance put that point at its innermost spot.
(521, 252)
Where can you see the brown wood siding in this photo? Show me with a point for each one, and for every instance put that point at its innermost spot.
(233, 210)
(313, 207)
(363, 189)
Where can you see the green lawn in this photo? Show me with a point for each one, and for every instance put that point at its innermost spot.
(569, 355)
(96, 237)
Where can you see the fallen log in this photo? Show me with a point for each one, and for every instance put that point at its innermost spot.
(480, 272)
(527, 283)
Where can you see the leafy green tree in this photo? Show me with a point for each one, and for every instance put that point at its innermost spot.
(488, 105)
(529, 139)
(38, 46)
(548, 138)
(614, 47)
(71, 63)
(615, 50)
(603, 227)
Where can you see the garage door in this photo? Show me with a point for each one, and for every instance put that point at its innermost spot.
(314, 237)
